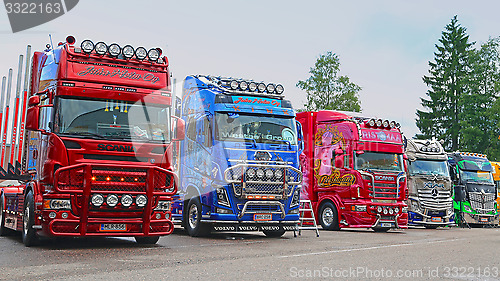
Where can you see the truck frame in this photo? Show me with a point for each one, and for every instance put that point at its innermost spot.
(430, 202)
(96, 156)
(354, 173)
(239, 166)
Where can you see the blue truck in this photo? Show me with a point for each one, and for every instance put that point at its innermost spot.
(239, 163)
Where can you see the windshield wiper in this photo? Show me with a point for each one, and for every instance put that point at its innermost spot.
(84, 134)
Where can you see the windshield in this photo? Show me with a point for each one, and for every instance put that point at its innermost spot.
(112, 119)
(233, 126)
(428, 167)
(379, 161)
(476, 177)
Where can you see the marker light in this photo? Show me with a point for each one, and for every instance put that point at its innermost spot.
(252, 86)
(87, 46)
(379, 209)
(243, 85)
(280, 89)
(141, 53)
(128, 51)
(260, 173)
(386, 211)
(114, 50)
(97, 200)
(269, 173)
(127, 200)
(101, 48)
(278, 173)
(153, 55)
(251, 173)
(112, 200)
(270, 88)
(234, 85)
(261, 87)
(141, 200)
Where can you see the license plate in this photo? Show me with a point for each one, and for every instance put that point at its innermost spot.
(262, 217)
(386, 224)
(113, 227)
(436, 219)
(484, 219)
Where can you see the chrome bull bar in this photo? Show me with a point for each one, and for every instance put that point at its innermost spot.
(260, 203)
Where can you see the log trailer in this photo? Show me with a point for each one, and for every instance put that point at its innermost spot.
(95, 145)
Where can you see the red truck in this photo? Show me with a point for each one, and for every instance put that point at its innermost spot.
(97, 150)
(354, 170)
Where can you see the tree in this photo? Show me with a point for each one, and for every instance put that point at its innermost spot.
(447, 81)
(327, 90)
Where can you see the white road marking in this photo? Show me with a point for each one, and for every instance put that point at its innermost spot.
(368, 248)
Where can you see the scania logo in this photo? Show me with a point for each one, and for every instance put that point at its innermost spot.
(384, 178)
(115, 147)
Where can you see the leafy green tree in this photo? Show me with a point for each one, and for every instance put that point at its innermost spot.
(327, 90)
(447, 82)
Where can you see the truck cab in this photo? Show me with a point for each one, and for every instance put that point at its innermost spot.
(239, 168)
(430, 202)
(475, 192)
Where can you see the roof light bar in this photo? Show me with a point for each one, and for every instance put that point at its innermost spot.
(128, 51)
(101, 48)
(114, 50)
(87, 46)
(153, 54)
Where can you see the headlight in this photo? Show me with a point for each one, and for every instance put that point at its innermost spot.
(392, 124)
(260, 173)
(261, 87)
(163, 206)
(385, 211)
(87, 46)
(391, 211)
(280, 89)
(112, 200)
(97, 200)
(234, 85)
(101, 48)
(270, 88)
(243, 85)
(128, 51)
(386, 124)
(371, 122)
(250, 173)
(269, 173)
(252, 86)
(114, 50)
(58, 204)
(141, 200)
(379, 123)
(153, 55)
(379, 209)
(127, 200)
(141, 53)
(396, 210)
(278, 174)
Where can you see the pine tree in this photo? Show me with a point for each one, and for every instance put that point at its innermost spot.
(447, 85)
(327, 90)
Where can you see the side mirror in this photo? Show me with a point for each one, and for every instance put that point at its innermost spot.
(359, 152)
(34, 101)
(459, 193)
(405, 157)
(32, 117)
(180, 129)
(300, 136)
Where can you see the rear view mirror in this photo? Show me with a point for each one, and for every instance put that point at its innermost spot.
(179, 129)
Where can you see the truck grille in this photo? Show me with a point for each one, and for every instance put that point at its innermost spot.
(435, 199)
(482, 203)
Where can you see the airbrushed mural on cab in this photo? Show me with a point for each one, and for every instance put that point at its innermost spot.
(327, 139)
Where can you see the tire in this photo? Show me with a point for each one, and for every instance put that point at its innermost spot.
(151, 240)
(3, 230)
(381, 229)
(194, 226)
(328, 216)
(29, 235)
(274, 233)
(431, 226)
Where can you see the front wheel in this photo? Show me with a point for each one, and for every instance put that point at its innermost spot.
(29, 233)
(193, 223)
(328, 216)
(274, 233)
(147, 240)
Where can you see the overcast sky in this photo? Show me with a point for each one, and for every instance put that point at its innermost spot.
(383, 46)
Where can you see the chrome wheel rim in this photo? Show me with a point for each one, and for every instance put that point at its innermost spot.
(327, 216)
(26, 219)
(193, 215)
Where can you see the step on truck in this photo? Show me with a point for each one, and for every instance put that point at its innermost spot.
(430, 202)
(475, 193)
(239, 168)
(95, 160)
(354, 173)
